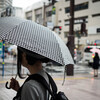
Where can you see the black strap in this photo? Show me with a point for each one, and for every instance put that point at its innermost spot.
(52, 83)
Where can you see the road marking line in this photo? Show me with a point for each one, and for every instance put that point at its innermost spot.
(74, 78)
(9, 81)
(77, 78)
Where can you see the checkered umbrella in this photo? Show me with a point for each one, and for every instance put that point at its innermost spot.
(34, 37)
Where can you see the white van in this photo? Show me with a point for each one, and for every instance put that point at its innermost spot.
(88, 55)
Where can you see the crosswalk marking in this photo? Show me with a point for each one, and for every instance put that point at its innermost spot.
(56, 79)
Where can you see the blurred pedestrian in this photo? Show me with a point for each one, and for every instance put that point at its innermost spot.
(14, 55)
(32, 90)
(11, 53)
(96, 64)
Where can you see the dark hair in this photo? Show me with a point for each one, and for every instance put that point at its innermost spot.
(96, 55)
(31, 58)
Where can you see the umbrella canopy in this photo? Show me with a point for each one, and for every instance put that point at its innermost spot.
(95, 50)
(36, 38)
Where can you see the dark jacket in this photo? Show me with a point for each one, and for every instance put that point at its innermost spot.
(96, 62)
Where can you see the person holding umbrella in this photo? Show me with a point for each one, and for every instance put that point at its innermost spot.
(96, 64)
(32, 90)
(36, 44)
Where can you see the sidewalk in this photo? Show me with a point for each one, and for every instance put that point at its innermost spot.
(9, 60)
(81, 86)
(77, 87)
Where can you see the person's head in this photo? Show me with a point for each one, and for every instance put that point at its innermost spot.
(96, 55)
(28, 58)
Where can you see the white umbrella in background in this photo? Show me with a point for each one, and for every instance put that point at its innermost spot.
(95, 50)
(12, 48)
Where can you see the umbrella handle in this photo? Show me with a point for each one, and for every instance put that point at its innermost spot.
(6, 85)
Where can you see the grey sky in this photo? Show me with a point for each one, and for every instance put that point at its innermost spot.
(24, 3)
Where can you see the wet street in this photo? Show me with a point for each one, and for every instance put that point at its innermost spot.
(57, 34)
(81, 86)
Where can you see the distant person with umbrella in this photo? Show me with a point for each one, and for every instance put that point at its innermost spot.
(14, 54)
(96, 64)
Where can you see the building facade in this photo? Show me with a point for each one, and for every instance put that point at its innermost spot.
(6, 9)
(17, 12)
(87, 10)
(5, 5)
(40, 12)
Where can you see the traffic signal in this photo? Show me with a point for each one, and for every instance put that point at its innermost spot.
(53, 1)
(83, 28)
(95, 44)
(59, 27)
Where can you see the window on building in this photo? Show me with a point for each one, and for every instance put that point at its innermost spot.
(66, 34)
(96, 15)
(98, 30)
(67, 22)
(3, 14)
(78, 7)
(59, 21)
(95, 1)
(49, 13)
(29, 15)
(67, 10)
(29, 18)
(59, 33)
(87, 50)
(38, 18)
(60, 9)
(78, 20)
(67, 0)
(77, 33)
(38, 15)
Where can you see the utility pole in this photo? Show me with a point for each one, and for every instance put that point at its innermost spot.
(71, 29)
(70, 42)
(44, 23)
(53, 12)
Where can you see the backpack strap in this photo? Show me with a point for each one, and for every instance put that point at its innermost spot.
(42, 81)
(53, 84)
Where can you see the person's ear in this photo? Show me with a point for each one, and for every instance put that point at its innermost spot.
(38, 63)
(24, 55)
